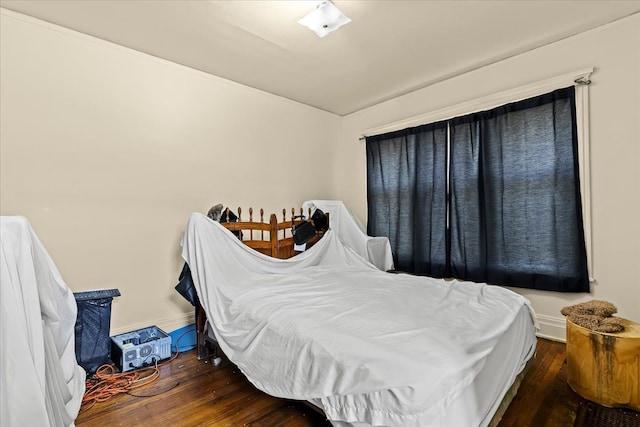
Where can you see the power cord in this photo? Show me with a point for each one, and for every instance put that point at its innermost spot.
(106, 382)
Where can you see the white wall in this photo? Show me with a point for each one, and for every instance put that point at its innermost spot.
(107, 151)
(614, 51)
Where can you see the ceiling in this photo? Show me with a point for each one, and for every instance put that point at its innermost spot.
(390, 47)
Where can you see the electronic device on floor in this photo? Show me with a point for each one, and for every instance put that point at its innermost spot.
(140, 348)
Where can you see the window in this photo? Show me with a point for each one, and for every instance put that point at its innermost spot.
(492, 196)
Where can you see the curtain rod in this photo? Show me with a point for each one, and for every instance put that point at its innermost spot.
(579, 78)
(580, 81)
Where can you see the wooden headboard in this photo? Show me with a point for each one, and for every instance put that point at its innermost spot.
(273, 238)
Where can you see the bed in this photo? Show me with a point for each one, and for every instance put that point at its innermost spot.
(41, 383)
(369, 348)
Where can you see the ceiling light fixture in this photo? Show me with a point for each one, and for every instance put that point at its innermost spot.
(324, 19)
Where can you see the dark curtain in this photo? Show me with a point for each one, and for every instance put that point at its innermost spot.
(406, 190)
(512, 214)
(515, 208)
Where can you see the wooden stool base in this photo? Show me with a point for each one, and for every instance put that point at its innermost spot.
(603, 367)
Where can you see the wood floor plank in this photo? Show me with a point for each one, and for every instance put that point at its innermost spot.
(547, 412)
(524, 405)
(190, 393)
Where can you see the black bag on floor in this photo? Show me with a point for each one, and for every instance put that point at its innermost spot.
(93, 344)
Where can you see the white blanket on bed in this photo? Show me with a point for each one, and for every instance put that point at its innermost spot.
(328, 324)
(40, 382)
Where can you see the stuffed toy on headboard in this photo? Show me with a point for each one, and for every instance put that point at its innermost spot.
(219, 214)
(215, 212)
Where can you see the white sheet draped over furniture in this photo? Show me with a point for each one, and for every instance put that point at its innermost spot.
(374, 347)
(376, 250)
(40, 382)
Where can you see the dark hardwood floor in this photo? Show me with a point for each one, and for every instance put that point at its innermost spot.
(544, 398)
(195, 393)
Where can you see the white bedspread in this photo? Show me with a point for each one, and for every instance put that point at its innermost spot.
(40, 382)
(377, 347)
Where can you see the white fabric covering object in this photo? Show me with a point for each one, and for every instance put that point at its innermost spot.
(41, 383)
(374, 347)
(377, 250)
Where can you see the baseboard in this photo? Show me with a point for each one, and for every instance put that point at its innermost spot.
(552, 328)
(167, 324)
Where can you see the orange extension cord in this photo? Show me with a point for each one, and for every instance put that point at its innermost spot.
(106, 382)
